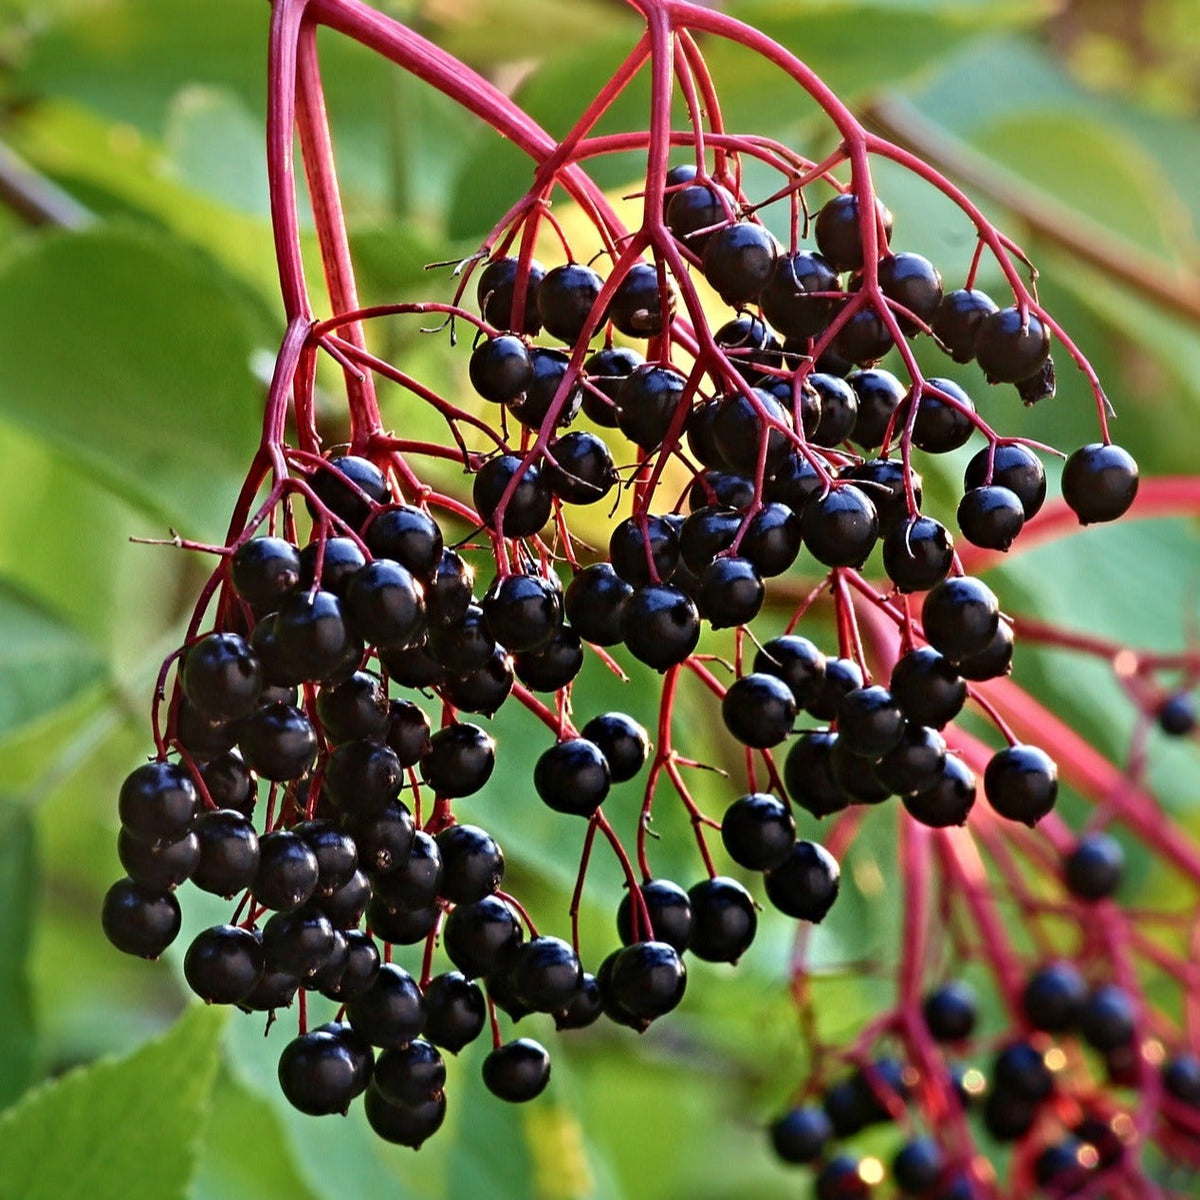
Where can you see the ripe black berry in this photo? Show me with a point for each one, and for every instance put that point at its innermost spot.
(808, 774)
(400, 1125)
(582, 471)
(472, 864)
(500, 369)
(646, 403)
(158, 801)
(991, 517)
(158, 865)
(729, 592)
(960, 617)
(385, 605)
(407, 732)
(455, 1011)
(670, 912)
(1013, 466)
(221, 677)
(523, 611)
(636, 308)
(693, 211)
(806, 883)
(648, 980)
(140, 920)
(229, 852)
(496, 295)
(288, 871)
(641, 550)
(957, 320)
(951, 1011)
(544, 973)
(917, 554)
(460, 760)
(362, 778)
(879, 394)
(278, 742)
(947, 800)
(565, 299)
(1093, 869)
(916, 763)
(391, 1012)
(347, 484)
(723, 920)
(1099, 482)
(797, 662)
(416, 882)
(660, 625)
(1021, 783)
(223, 964)
(918, 1166)
(623, 742)
(406, 535)
(340, 559)
(572, 777)
(941, 426)
(914, 283)
(1107, 1019)
(1010, 347)
(758, 831)
(264, 570)
(839, 236)
(528, 508)
(788, 301)
(320, 1073)
(594, 601)
(1021, 1071)
(801, 1134)
(410, 1075)
(382, 841)
(928, 689)
(356, 708)
(298, 942)
(869, 721)
(1177, 715)
(1053, 998)
(517, 1071)
(840, 527)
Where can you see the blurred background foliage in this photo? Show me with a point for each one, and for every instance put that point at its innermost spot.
(137, 328)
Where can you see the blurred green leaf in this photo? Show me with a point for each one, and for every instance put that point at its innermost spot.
(118, 1130)
(18, 901)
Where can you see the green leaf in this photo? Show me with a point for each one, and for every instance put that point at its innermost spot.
(44, 662)
(117, 1130)
(18, 895)
(132, 355)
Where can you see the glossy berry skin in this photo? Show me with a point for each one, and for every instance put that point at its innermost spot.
(808, 774)
(916, 764)
(584, 1008)
(806, 883)
(340, 558)
(407, 535)
(840, 527)
(381, 841)
(927, 688)
(948, 800)
(801, 1134)
(594, 601)
(278, 742)
(532, 408)
(797, 662)
(320, 1074)
(960, 617)
(705, 533)
(648, 980)
(918, 1166)
(1021, 1071)
(646, 403)
(951, 1011)
(385, 605)
(455, 1011)
(565, 299)
(582, 471)
(223, 963)
(403, 1126)
(670, 911)
(839, 1179)
(838, 234)
(298, 942)
(723, 920)
(472, 864)
(410, 1075)
(854, 775)
(1015, 467)
(787, 300)
(391, 1012)
(1099, 482)
(139, 920)
(880, 394)
(288, 871)
(460, 761)
(993, 661)
(523, 612)
(729, 591)
(1177, 715)
(692, 211)
(264, 570)
(957, 320)
(500, 369)
(1107, 1020)
(347, 484)
(357, 708)
(886, 483)
(158, 866)
(991, 517)
(544, 973)
(477, 936)
(1021, 783)
(528, 508)
(869, 721)
(913, 282)
(623, 742)
(572, 777)
(839, 409)
(496, 295)
(1054, 997)
(758, 831)
(158, 801)
(636, 308)
(221, 677)
(918, 554)
(1093, 869)
(362, 778)
(359, 970)
(635, 547)
(1010, 348)
(940, 426)
(407, 732)
(740, 424)
(772, 539)
(660, 625)
(738, 262)
(229, 852)
(517, 1071)
(416, 882)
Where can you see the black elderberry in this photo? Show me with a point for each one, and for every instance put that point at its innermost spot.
(789, 301)
(402, 1126)
(523, 611)
(918, 1166)
(869, 721)
(221, 677)
(1181, 1078)
(455, 1011)
(1099, 482)
(841, 1178)
(1093, 868)
(916, 763)
(140, 920)
(460, 760)
(361, 967)
(759, 710)
(1011, 347)
(278, 742)
(382, 840)
(801, 1134)
(410, 1075)
(1177, 715)
(594, 601)
(758, 831)
(333, 965)
(643, 549)
(1053, 998)
(839, 235)
(500, 369)
(740, 425)
(1060, 1169)
(694, 211)
(355, 708)
(991, 517)
(1021, 1071)
(729, 591)
(928, 689)
(1008, 1117)
(660, 625)
(464, 646)
(345, 906)
(582, 468)
(407, 732)
(158, 865)
(339, 560)
(401, 926)
(946, 801)
(723, 920)
(288, 871)
(739, 260)
(840, 527)
(839, 409)
(229, 852)
(794, 482)
(808, 774)
(585, 1007)
(565, 300)
(320, 1073)
(408, 536)
(914, 283)
(496, 295)
(346, 485)
(854, 776)
(362, 778)
(721, 489)
(797, 662)
(417, 881)
(646, 403)
(648, 980)
(158, 801)
(391, 1012)
(951, 1011)
(706, 533)
(298, 942)
(957, 320)
(1021, 783)
(572, 777)
(223, 964)
(477, 936)
(274, 989)
(448, 589)
(201, 737)
(1107, 1019)
(549, 369)
(517, 1071)
(960, 617)
(749, 342)
(472, 863)
(992, 662)
(879, 394)
(939, 426)
(229, 783)
(553, 666)
(528, 507)
(917, 554)
(700, 439)
(670, 911)
(841, 675)
(545, 973)
(623, 742)
(805, 884)
(485, 690)
(500, 990)
(772, 539)
(887, 482)
(312, 639)
(636, 309)
(264, 570)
